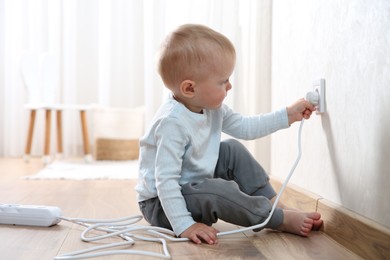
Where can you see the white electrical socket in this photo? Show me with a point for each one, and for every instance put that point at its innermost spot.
(319, 87)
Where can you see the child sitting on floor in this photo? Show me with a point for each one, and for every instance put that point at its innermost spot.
(188, 178)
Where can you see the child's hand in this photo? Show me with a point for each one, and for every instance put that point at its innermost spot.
(299, 110)
(199, 231)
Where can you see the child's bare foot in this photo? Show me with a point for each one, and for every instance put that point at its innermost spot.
(300, 223)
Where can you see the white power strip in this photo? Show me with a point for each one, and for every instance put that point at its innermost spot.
(29, 215)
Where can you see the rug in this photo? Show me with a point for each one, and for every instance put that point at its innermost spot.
(80, 170)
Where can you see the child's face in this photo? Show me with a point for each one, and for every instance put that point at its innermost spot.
(211, 91)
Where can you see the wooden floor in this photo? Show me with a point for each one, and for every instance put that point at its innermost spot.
(110, 199)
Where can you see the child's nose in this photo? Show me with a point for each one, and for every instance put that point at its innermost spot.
(228, 86)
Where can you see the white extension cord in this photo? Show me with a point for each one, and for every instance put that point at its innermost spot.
(125, 229)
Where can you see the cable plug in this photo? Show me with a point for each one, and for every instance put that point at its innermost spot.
(313, 97)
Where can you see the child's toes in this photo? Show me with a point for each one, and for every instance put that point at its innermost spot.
(304, 232)
(307, 225)
(317, 224)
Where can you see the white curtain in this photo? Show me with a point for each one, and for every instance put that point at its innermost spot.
(106, 51)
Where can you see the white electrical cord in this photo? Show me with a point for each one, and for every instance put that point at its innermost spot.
(265, 222)
(125, 229)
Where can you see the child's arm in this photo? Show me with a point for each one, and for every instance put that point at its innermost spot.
(256, 126)
(299, 110)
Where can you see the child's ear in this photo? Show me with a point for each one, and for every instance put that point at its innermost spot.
(187, 88)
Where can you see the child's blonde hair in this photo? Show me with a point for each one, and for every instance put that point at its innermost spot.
(191, 52)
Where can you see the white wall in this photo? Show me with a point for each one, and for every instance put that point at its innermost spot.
(346, 152)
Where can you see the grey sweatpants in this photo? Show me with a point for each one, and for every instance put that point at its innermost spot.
(239, 193)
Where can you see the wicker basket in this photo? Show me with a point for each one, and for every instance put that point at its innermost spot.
(116, 149)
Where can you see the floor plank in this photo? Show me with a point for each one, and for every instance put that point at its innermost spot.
(275, 245)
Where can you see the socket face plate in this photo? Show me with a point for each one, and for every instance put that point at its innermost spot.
(319, 87)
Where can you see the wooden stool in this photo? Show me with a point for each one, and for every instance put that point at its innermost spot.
(48, 111)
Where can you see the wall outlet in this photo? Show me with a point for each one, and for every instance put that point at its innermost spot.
(319, 87)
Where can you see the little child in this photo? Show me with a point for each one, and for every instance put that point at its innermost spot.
(188, 178)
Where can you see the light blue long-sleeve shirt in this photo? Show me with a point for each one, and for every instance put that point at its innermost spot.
(181, 146)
